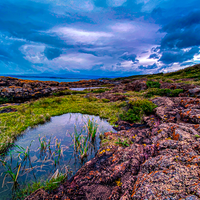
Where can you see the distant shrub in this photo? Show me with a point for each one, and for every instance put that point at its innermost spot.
(164, 92)
(175, 93)
(91, 98)
(153, 84)
(100, 90)
(136, 109)
(69, 92)
(169, 81)
(4, 100)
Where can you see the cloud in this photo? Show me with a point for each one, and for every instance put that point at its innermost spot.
(80, 36)
(116, 3)
(52, 53)
(123, 27)
(129, 57)
(154, 56)
(178, 56)
(143, 67)
(98, 36)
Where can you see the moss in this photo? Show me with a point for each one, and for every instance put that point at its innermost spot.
(105, 100)
(36, 112)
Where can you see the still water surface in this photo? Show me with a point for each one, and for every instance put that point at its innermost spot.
(43, 164)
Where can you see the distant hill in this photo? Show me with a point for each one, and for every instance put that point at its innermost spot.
(187, 73)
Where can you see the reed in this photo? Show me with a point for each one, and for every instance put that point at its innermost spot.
(91, 126)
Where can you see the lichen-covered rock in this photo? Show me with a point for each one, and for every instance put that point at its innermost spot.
(161, 158)
(195, 92)
(136, 85)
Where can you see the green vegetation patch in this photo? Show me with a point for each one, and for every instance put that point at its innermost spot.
(48, 185)
(69, 92)
(163, 92)
(100, 90)
(40, 111)
(4, 100)
(86, 91)
(153, 84)
(189, 72)
(137, 108)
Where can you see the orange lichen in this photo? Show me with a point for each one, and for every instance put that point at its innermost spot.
(196, 126)
(118, 182)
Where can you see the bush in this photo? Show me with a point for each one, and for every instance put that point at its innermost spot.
(69, 92)
(153, 84)
(136, 109)
(164, 92)
(175, 93)
(131, 115)
(3, 100)
(169, 81)
(100, 90)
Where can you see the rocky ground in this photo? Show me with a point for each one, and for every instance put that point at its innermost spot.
(116, 93)
(157, 160)
(18, 90)
(14, 89)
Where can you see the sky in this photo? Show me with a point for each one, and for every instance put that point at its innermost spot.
(98, 37)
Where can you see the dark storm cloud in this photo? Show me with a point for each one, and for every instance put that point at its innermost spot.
(127, 56)
(100, 36)
(52, 53)
(179, 56)
(182, 32)
(154, 56)
(154, 66)
(182, 39)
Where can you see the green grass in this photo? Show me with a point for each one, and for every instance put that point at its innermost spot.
(122, 143)
(86, 91)
(48, 185)
(69, 92)
(36, 112)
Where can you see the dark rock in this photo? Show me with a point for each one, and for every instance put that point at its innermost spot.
(7, 110)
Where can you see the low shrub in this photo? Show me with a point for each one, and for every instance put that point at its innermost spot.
(100, 90)
(169, 81)
(137, 108)
(164, 92)
(153, 84)
(4, 100)
(69, 92)
(175, 93)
